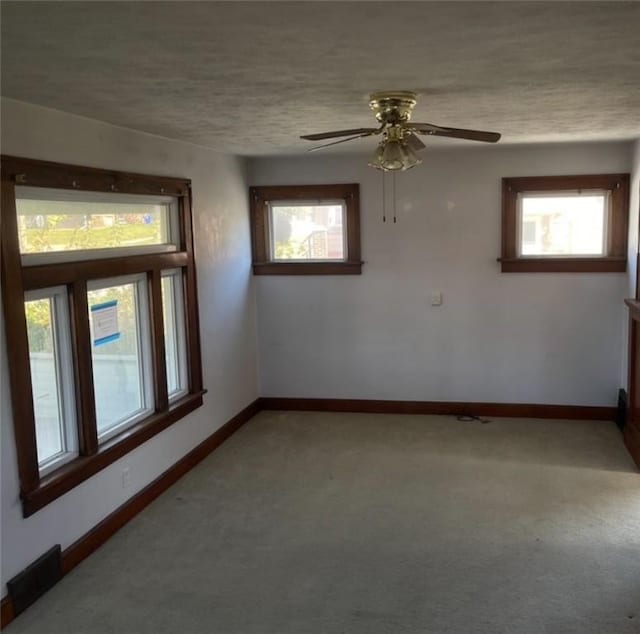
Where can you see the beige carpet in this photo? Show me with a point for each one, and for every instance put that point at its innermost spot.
(365, 524)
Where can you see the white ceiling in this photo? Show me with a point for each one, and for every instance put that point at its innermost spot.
(249, 78)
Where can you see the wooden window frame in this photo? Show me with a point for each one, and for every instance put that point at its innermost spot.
(260, 197)
(36, 490)
(616, 259)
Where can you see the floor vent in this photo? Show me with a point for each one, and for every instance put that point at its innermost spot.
(621, 412)
(35, 580)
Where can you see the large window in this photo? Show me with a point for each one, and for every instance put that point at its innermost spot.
(97, 276)
(306, 230)
(565, 223)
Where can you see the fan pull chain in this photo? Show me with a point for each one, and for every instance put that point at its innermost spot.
(393, 181)
(384, 196)
(384, 199)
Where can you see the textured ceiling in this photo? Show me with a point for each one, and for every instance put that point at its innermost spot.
(250, 77)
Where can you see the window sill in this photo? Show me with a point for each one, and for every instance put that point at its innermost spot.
(307, 268)
(82, 468)
(614, 264)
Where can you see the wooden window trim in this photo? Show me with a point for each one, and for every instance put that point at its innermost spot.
(614, 262)
(260, 197)
(36, 491)
(77, 471)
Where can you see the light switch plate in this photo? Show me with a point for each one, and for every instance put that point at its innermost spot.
(436, 298)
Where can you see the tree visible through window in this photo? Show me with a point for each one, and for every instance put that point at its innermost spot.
(46, 225)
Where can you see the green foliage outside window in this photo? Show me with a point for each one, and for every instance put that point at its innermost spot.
(291, 250)
(38, 317)
(50, 236)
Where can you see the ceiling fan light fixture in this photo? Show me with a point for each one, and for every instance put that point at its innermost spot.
(410, 157)
(394, 156)
(376, 160)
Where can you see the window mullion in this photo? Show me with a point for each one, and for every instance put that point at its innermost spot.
(157, 339)
(68, 272)
(83, 369)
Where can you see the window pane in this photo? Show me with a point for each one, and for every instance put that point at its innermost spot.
(307, 232)
(45, 379)
(174, 335)
(49, 223)
(563, 224)
(118, 363)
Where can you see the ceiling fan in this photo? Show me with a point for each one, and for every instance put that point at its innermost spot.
(400, 141)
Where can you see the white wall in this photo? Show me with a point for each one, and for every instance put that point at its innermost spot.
(538, 338)
(227, 316)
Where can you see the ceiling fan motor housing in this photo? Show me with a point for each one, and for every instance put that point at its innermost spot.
(392, 107)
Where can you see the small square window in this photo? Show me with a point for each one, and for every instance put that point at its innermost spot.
(565, 223)
(306, 230)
